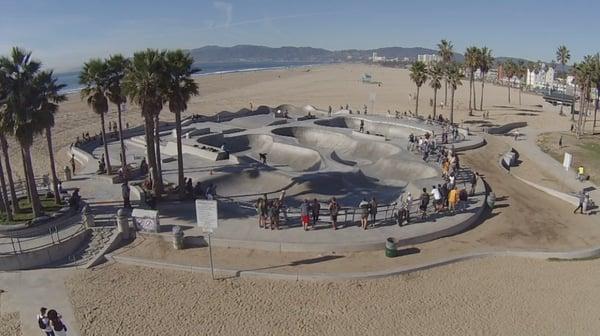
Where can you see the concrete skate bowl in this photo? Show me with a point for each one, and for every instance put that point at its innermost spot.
(278, 154)
(292, 109)
(248, 183)
(373, 127)
(345, 147)
(227, 115)
(399, 171)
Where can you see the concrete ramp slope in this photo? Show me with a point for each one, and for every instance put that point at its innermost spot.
(343, 145)
(297, 158)
(399, 170)
(248, 183)
(373, 127)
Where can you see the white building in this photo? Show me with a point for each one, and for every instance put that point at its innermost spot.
(543, 78)
(428, 58)
(377, 59)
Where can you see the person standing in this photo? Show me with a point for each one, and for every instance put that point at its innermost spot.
(560, 142)
(474, 178)
(125, 192)
(334, 209)
(58, 326)
(304, 210)
(437, 198)
(364, 217)
(315, 208)
(44, 323)
(373, 210)
(453, 199)
(424, 203)
(73, 163)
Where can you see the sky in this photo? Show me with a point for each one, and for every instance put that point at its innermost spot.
(65, 33)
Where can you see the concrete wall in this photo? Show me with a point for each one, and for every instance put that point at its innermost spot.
(45, 255)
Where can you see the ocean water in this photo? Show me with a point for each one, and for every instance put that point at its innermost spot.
(71, 79)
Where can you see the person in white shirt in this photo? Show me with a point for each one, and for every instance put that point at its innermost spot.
(44, 323)
(437, 198)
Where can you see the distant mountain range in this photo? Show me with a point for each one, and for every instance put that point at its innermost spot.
(253, 53)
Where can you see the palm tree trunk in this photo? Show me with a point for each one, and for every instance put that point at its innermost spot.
(434, 102)
(52, 166)
(520, 90)
(180, 177)
(11, 183)
(34, 198)
(122, 141)
(158, 159)
(150, 153)
(106, 157)
(481, 97)
(417, 103)
(474, 95)
(446, 92)
(470, 95)
(452, 108)
(508, 92)
(5, 201)
(596, 110)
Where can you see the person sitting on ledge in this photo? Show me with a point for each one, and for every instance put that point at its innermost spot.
(198, 193)
(263, 157)
(143, 167)
(75, 200)
(101, 167)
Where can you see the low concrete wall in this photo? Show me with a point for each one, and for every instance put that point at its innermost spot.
(43, 256)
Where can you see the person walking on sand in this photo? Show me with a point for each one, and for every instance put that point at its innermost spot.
(304, 214)
(560, 142)
(44, 322)
(581, 198)
(334, 209)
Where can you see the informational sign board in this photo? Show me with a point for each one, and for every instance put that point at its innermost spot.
(146, 220)
(567, 161)
(206, 215)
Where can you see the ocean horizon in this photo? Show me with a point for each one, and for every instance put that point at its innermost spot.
(71, 78)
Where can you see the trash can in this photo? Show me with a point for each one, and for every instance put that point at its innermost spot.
(177, 238)
(390, 248)
(67, 173)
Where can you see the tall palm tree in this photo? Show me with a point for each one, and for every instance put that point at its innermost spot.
(563, 56)
(181, 87)
(117, 66)
(23, 109)
(471, 58)
(4, 146)
(583, 78)
(509, 71)
(418, 74)
(520, 72)
(455, 77)
(94, 76)
(485, 62)
(445, 51)
(436, 73)
(144, 84)
(4, 198)
(49, 98)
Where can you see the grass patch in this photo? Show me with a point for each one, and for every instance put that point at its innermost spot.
(26, 214)
(574, 259)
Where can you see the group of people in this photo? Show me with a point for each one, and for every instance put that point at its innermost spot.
(269, 210)
(50, 322)
(367, 209)
(198, 192)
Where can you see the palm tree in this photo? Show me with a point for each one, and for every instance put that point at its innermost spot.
(144, 84)
(446, 53)
(563, 56)
(117, 66)
(583, 78)
(50, 97)
(4, 146)
(485, 62)
(455, 77)
(94, 76)
(436, 73)
(4, 198)
(418, 74)
(24, 95)
(520, 72)
(181, 87)
(471, 58)
(596, 82)
(509, 71)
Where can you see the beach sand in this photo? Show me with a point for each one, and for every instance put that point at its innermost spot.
(492, 296)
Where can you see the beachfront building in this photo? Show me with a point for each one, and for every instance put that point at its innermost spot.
(428, 58)
(542, 78)
(377, 59)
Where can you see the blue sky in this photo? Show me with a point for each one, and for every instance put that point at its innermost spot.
(65, 33)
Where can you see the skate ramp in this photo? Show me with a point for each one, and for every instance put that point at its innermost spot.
(248, 182)
(297, 158)
(343, 145)
(399, 170)
(373, 127)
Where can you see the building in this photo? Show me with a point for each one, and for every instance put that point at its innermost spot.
(542, 78)
(377, 59)
(428, 58)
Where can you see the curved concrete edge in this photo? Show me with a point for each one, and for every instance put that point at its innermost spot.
(43, 256)
(81, 156)
(503, 129)
(559, 255)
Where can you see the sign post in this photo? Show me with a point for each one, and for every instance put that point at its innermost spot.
(207, 219)
(567, 161)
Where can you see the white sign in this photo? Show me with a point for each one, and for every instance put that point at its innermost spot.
(146, 220)
(206, 215)
(567, 161)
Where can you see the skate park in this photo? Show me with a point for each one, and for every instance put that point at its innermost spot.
(310, 154)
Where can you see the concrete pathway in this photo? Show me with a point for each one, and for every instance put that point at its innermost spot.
(26, 291)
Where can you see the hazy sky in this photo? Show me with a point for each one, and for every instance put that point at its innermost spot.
(65, 33)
